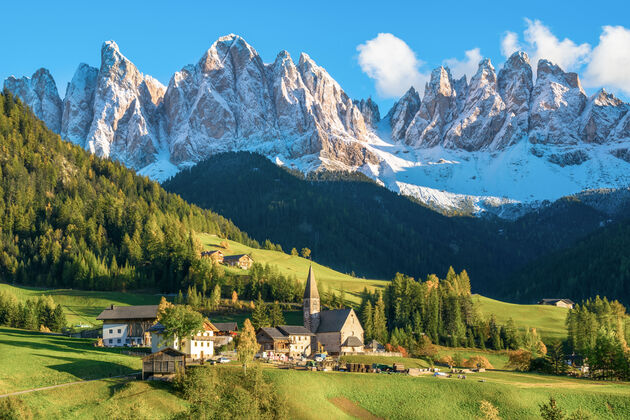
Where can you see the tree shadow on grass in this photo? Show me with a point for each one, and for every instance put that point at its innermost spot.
(85, 369)
(43, 341)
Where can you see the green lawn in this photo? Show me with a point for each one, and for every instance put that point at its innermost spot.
(549, 321)
(107, 399)
(403, 397)
(498, 359)
(81, 306)
(298, 266)
(31, 359)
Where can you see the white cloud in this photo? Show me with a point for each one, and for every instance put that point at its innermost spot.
(540, 42)
(510, 44)
(610, 60)
(466, 67)
(392, 64)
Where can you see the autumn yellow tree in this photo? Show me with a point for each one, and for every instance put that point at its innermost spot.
(247, 344)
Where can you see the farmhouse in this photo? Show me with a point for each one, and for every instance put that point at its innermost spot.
(128, 325)
(216, 256)
(336, 332)
(243, 261)
(561, 303)
(284, 340)
(197, 347)
(163, 362)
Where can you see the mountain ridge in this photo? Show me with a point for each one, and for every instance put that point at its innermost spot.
(494, 138)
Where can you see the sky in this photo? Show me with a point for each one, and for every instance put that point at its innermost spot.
(373, 49)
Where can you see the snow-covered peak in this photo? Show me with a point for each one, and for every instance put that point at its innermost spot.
(402, 113)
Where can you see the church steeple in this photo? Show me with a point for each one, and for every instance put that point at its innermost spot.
(311, 286)
(311, 302)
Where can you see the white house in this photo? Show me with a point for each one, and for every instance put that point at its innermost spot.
(197, 347)
(128, 325)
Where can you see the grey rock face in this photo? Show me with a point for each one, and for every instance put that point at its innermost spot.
(40, 93)
(556, 103)
(369, 110)
(402, 113)
(602, 114)
(78, 105)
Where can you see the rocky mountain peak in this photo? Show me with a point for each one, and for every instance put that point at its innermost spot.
(369, 110)
(403, 111)
(39, 92)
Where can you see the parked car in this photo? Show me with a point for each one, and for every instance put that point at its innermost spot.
(320, 357)
(224, 360)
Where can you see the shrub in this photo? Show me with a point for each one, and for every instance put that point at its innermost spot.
(478, 361)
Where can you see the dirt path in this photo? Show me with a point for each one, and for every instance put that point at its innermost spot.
(353, 409)
(26, 391)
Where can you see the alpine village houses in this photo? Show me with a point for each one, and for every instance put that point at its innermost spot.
(336, 331)
(243, 261)
(128, 325)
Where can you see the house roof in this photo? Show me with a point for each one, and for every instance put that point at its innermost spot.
(352, 341)
(156, 328)
(274, 333)
(168, 350)
(235, 257)
(375, 344)
(552, 301)
(129, 312)
(310, 292)
(226, 326)
(294, 330)
(216, 251)
(332, 321)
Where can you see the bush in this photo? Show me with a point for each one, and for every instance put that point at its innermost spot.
(14, 409)
(519, 360)
(478, 361)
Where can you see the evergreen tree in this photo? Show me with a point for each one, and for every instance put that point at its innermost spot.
(260, 317)
(380, 321)
(367, 321)
(276, 316)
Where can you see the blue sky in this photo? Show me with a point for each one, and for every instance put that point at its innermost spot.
(162, 37)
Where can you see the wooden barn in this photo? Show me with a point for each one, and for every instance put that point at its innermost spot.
(216, 256)
(163, 363)
(243, 261)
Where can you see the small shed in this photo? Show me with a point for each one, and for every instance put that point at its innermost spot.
(163, 362)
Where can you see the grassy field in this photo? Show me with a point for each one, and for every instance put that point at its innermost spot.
(298, 266)
(107, 399)
(31, 360)
(516, 395)
(548, 320)
(81, 306)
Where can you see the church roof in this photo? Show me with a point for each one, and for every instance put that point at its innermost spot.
(352, 341)
(294, 330)
(311, 286)
(332, 321)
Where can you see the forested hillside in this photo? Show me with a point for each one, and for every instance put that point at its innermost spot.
(70, 219)
(354, 225)
(597, 264)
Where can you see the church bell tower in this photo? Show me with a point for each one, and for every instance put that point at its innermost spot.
(311, 303)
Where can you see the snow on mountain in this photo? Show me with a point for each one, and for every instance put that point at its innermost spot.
(501, 143)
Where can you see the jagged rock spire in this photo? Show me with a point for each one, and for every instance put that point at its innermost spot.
(310, 292)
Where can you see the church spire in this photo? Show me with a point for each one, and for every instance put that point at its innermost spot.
(311, 285)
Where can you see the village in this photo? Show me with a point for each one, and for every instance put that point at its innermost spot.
(317, 345)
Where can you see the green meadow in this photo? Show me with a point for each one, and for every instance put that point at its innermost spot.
(296, 266)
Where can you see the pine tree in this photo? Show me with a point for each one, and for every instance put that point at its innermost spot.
(215, 297)
(380, 321)
(260, 317)
(276, 316)
(367, 321)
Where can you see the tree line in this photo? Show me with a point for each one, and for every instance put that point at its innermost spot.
(413, 314)
(71, 219)
(41, 314)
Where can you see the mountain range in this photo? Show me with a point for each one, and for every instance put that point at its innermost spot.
(502, 141)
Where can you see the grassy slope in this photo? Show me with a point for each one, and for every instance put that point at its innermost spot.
(548, 320)
(31, 360)
(516, 395)
(298, 266)
(107, 399)
(83, 306)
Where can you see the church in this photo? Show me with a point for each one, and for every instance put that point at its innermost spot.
(336, 331)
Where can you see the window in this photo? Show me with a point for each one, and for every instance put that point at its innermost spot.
(118, 341)
(119, 330)
(111, 341)
(111, 331)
